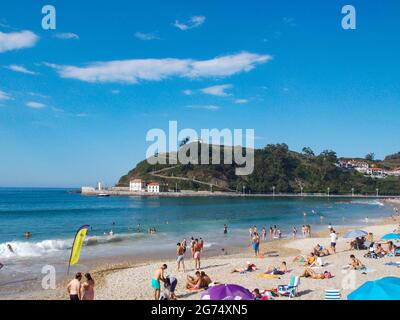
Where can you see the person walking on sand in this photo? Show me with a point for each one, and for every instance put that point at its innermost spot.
(271, 233)
(74, 287)
(180, 256)
(88, 288)
(155, 281)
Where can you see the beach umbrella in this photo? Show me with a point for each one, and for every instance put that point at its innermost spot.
(355, 234)
(391, 236)
(384, 289)
(227, 292)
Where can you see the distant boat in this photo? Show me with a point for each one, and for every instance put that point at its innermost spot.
(103, 195)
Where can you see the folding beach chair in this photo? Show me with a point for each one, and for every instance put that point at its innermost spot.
(332, 294)
(290, 290)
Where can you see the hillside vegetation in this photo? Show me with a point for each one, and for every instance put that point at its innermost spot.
(275, 166)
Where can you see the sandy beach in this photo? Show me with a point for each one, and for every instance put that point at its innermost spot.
(131, 281)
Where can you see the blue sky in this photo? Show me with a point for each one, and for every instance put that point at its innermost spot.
(76, 102)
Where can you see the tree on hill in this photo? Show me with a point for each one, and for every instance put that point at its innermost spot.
(308, 152)
(370, 156)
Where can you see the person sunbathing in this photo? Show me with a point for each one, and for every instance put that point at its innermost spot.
(355, 263)
(310, 273)
(248, 268)
(205, 280)
(194, 283)
(277, 271)
(379, 251)
(319, 251)
(308, 260)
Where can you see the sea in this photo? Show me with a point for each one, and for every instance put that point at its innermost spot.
(53, 216)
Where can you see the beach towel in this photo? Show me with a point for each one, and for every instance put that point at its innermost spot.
(268, 276)
(391, 263)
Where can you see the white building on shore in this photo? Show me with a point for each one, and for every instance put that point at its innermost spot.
(153, 187)
(137, 185)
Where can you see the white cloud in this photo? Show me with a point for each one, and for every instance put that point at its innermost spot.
(187, 92)
(66, 36)
(132, 71)
(35, 105)
(241, 101)
(19, 68)
(17, 40)
(146, 36)
(194, 22)
(4, 96)
(210, 107)
(218, 90)
(35, 94)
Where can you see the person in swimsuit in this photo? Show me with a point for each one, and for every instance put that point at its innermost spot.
(155, 281)
(197, 254)
(74, 287)
(264, 234)
(255, 242)
(88, 288)
(180, 256)
(225, 229)
(355, 264)
(278, 271)
(194, 283)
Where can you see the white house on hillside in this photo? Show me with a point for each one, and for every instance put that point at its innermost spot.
(137, 185)
(153, 187)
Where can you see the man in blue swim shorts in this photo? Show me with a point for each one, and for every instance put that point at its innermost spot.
(155, 281)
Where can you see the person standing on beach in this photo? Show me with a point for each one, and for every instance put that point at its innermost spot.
(201, 245)
(74, 287)
(294, 232)
(180, 256)
(155, 281)
(334, 238)
(264, 234)
(184, 245)
(88, 288)
(271, 233)
(255, 242)
(251, 231)
(225, 229)
(196, 254)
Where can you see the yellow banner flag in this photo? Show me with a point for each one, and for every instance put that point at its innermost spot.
(77, 245)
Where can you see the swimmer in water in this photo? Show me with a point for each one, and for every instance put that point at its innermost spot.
(10, 248)
(27, 235)
(305, 214)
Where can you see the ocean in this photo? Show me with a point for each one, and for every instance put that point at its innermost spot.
(54, 215)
